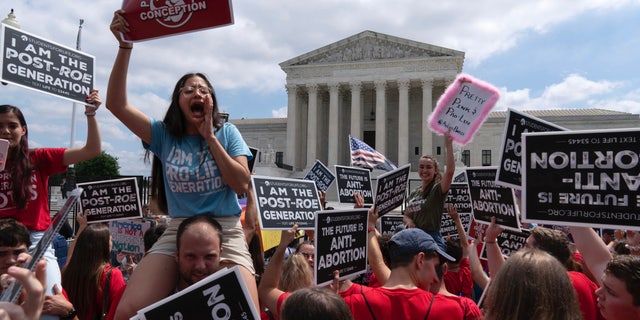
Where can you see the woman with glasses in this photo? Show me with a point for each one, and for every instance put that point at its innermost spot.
(199, 167)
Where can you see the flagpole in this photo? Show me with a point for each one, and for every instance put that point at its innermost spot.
(71, 175)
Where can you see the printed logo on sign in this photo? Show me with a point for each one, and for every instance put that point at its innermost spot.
(171, 13)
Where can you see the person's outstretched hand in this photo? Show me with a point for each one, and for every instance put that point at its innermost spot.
(33, 284)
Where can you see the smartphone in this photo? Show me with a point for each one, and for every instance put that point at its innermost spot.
(4, 149)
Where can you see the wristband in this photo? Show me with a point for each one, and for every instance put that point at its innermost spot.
(125, 48)
(370, 229)
(72, 314)
(490, 241)
(90, 114)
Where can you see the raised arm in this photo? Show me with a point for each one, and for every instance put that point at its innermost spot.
(479, 277)
(117, 103)
(450, 169)
(462, 234)
(494, 254)
(268, 291)
(374, 254)
(93, 145)
(82, 222)
(594, 251)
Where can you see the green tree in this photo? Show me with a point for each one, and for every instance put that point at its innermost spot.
(103, 166)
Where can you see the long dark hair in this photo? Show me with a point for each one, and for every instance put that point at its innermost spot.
(21, 163)
(82, 274)
(176, 125)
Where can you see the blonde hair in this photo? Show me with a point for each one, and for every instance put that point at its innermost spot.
(531, 284)
(296, 274)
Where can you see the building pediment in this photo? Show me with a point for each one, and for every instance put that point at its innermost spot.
(370, 46)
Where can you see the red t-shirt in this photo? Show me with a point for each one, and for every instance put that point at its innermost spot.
(460, 282)
(116, 289)
(469, 307)
(586, 293)
(401, 304)
(36, 215)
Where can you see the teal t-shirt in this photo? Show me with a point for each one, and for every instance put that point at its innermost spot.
(192, 180)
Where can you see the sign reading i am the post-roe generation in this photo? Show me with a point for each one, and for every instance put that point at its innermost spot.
(341, 244)
(392, 189)
(321, 175)
(283, 202)
(458, 195)
(111, 199)
(509, 174)
(583, 178)
(489, 199)
(38, 64)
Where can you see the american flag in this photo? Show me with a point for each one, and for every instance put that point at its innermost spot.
(362, 155)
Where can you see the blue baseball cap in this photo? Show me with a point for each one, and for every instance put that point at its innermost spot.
(412, 241)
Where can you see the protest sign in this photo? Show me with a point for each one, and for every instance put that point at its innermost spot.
(35, 63)
(476, 230)
(584, 178)
(458, 195)
(322, 176)
(392, 189)
(390, 224)
(4, 147)
(12, 293)
(489, 199)
(128, 235)
(351, 180)
(509, 242)
(151, 19)
(448, 226)
(463, 107)
(252, 162)
(111, 199)
(222, 295)
(341, 244)
(283, 202)
(509, 174)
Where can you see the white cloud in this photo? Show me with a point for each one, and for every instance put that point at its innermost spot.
(279, 113)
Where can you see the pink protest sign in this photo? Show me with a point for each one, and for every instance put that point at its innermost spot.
(463, 108)
(149, 19)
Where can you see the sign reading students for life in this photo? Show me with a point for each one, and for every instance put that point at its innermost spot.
(111, 199)
(283, 202)
(489, 199)
(341, 244)
(392, 189)
(584, 178)
(35, 63)
(150, 19)
(509, 174)
(222, 295)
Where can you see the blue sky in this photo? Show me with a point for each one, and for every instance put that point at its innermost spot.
(540, 54)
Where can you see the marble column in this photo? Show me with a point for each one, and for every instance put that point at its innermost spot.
(381, 116)
(334, 124)
(403, 121)
(427, 108)
(312, 125)
(356, 109)
(292, 125)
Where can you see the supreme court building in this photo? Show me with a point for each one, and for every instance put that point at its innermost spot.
(381, 89)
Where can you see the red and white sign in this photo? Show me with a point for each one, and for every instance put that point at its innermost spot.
(150, 19)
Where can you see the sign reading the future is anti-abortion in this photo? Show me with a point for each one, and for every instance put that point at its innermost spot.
(586, 178)
(283, 202)
(351, 180)
(489, 199)
(341, 244)
(39, 64)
